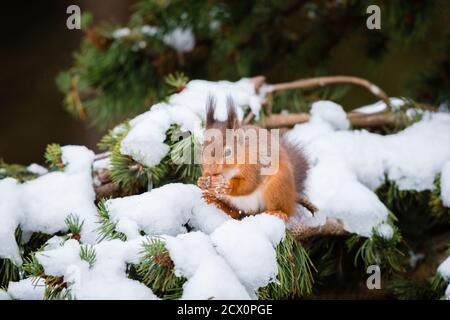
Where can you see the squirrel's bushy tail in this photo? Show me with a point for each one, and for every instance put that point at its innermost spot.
(299, 162)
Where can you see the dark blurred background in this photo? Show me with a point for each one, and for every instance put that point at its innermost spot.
(36, 45)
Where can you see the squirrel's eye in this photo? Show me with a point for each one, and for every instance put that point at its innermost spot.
(227, 152)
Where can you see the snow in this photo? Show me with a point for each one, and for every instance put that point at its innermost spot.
(445, 184)
(27, 289)
(102, 164)
(248, 247)
(231, 263)
(444, 271)
(121, 33)
(182, 40)
(52, 197)
(347, 166)
(4, 295)
(149, 30)
(145, 140)
(42, 204)
(380, 106)
(37, 169)
(11, 215)
(165, 210)
(188, 250)
(330, 113)
(385, 230)
(206, 217)
(214, 280)
(106, 279)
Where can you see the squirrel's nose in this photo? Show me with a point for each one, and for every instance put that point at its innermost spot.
(214, 169)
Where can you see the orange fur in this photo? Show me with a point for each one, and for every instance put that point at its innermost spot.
(245, 186)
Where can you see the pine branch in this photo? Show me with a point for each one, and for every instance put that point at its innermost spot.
(88, 254)
(74, 225)
(177, 81)
(107, 229)
(295, 272)
(378, 250)
(155, 270)
(8, 272)
(129, 175)
(15, 171)
(53, 155)
(110, 140)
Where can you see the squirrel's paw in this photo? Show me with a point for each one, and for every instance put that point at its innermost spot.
(222, 189)
(218, 185)
(203, 182)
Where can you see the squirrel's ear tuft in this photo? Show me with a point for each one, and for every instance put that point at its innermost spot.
(210, 109)
(232, 120)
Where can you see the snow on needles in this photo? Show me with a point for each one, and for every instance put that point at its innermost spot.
(444, 272)
(445, 185)
(164, 211)
(145, 140)
(106, 278)
(348, 165)
(241, 251)
(221, 258)
(180, 39)
(42, 204)
(232, 262)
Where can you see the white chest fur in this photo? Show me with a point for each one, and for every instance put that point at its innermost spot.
(251, 203)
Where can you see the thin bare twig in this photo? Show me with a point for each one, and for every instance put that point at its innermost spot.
(332, 227)
(357, 120)
(324, 81)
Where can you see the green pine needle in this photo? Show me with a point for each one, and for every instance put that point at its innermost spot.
(155, 270)
(53, 156)
(16, 171)
(378, 250)
(74, 225)
(295, 272)
(182, 154)
(32, 267)
(131, 176)
(114, 136)
(177, 81)
(107, 229)
(8, 272)
(88, 254)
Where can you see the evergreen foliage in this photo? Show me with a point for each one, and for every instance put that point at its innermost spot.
(156, 271)
(107, 229)
(15, 171)
(53, 155)
(114, 77)
(295, 272)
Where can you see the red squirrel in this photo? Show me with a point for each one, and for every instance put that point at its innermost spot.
(238, 187)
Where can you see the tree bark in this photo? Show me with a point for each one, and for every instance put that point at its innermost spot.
(357, 120)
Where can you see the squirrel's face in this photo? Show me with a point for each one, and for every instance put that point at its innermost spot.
(220, 154)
